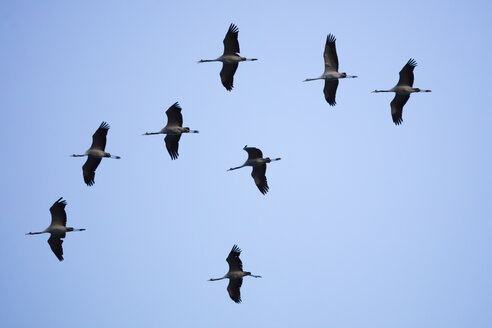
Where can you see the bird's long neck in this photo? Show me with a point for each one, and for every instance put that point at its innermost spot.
(351, 76)
(268, 159)
(72, 229)
(250, 59)
(114, 156)
(252, 275)
(187, 130)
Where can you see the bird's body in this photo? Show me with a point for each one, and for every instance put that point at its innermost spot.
(235, 274)
(173, 130)
(403, 89)
(256, 160)
(331, 74)
(230, 58)
(57, 228)
(95, 154)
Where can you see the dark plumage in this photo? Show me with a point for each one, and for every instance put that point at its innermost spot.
(57, 228)
(235, 274)
(256, 160)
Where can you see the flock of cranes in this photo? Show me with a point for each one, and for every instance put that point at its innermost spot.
(174, 129)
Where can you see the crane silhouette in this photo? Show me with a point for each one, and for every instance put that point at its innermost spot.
(173, 130)
(230, 58)
(256, 160)
(331, 75)
(95, 154)
(403, 89)
(58, 228)
(235, 274)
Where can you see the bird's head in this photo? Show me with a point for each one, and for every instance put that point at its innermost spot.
(344, 74)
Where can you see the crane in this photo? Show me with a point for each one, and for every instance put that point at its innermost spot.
(173, 130)
(402, 91)
(230, 58)
(256, 160)
(331, 75)
(235, 274)
(95, 154)
(57, 228)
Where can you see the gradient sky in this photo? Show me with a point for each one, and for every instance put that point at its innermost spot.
(366, 224)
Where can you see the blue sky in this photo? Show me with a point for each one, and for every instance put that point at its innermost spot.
(366, 224)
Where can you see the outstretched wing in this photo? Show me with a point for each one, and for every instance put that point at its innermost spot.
(330, 54)
(406, 73)
(99, 137)
(89, 169)
(58, 214)
(233, 259)
(259, 176)
(234, 289)
(172, 144)
(227, 75)
(253, 152)
(231, 44)
(397, 108)
(55, 243)
(174, 116)
(330, 91)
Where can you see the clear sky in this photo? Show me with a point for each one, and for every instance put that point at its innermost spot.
(366, 224)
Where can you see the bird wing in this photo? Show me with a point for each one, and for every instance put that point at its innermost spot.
(406, 73)
(174, 117)
(397, 108)
(56, 245)
(253, 152)
(330, 54)
(227, 75)
(234, 289)
(89, 169)
(233, 259)
(58, 214)
(172, 144)
(99, 137)
(330, 91)
(259, 176)
(231, 44)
